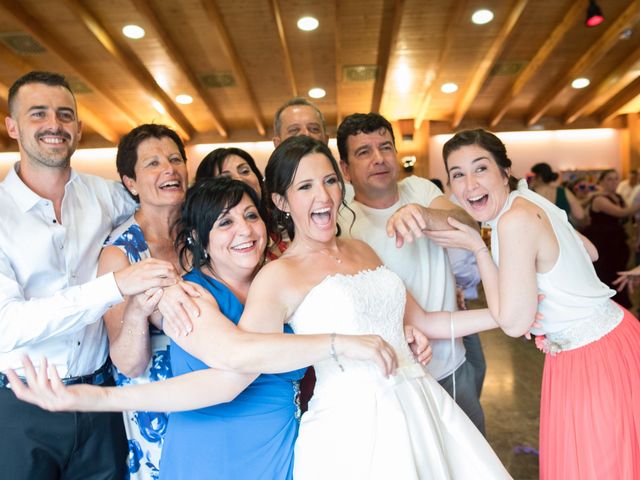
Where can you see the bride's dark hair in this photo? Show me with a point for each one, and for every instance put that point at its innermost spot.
(282, 168)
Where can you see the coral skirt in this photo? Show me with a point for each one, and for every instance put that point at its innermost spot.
(590, 409)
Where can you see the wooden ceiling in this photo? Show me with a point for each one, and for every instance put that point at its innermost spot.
(240, 59)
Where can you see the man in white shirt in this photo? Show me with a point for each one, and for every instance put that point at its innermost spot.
(51, 303)
(628, 189)
(368, 159)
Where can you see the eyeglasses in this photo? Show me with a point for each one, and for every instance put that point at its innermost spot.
(582, 187)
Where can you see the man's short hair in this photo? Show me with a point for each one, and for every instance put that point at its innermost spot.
(360, 123)
(47, 78)
(292, 102)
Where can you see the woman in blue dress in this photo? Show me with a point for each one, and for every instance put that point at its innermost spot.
(151, 163)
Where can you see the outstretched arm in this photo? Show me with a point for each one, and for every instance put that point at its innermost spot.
(441, 325)
(265, 349)
(194, 390)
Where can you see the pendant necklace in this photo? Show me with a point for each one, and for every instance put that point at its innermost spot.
(335, 257)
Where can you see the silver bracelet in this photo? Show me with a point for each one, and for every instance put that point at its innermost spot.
(453, 349)
(334, 355)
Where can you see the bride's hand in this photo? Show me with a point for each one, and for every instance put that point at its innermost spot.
(461, 236)
(49, 393)
(369, 348)
(419, 344)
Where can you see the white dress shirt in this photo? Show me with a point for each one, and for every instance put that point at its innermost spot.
(51, 302)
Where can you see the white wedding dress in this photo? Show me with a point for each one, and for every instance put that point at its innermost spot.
(362, 426)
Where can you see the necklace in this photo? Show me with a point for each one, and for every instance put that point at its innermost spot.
(327, 254)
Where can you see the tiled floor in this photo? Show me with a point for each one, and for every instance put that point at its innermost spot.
(511, 401)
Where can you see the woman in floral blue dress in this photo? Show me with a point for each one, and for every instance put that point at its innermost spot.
(152, 165)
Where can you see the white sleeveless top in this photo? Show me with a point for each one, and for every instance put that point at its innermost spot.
(573, 293)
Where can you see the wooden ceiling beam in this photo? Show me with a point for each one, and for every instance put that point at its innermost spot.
(288, 64)
(215, 16)
(453, 21)
(389, 28)
(613, 106)
(85, 114)
(132, 64)
(35, 28)
(481, 72)
(572, 15)
(597, 50)
(338, 55)
(604, 90)
(178, 58)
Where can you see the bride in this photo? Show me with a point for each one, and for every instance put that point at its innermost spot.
(361, 424)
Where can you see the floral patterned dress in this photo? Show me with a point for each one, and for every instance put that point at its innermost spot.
(145, 430)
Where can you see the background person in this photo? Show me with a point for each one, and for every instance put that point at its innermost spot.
(545, 183)
(607, 231)
(240, 165)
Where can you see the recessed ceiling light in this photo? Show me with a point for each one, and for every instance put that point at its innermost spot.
(580, 83)
(184, 99)
(133, 31)
(317, 92)
(480, 17)
(449, 88)
(403, 77)
(158, 106)
(308, 23)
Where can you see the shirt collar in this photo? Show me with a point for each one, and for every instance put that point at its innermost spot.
(24, 197)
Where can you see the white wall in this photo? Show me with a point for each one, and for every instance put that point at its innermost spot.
(590, 149)
(102, 161)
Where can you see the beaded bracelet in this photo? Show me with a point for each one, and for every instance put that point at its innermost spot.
(334, 355)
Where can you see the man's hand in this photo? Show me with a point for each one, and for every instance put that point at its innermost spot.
(144, 275)
(407, 223)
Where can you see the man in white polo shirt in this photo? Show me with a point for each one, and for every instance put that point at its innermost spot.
(368, 159)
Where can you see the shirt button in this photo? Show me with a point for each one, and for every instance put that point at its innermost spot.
(78, 343)
(55, 221)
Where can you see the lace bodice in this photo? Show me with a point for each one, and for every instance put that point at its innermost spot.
(369, 302)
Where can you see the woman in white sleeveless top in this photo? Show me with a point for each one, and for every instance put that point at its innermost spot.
(590, 406)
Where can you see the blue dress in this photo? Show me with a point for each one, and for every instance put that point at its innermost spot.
(145, 430)
(249, 438)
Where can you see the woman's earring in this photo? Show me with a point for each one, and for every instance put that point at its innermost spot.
(286, 214)
(133, 192)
